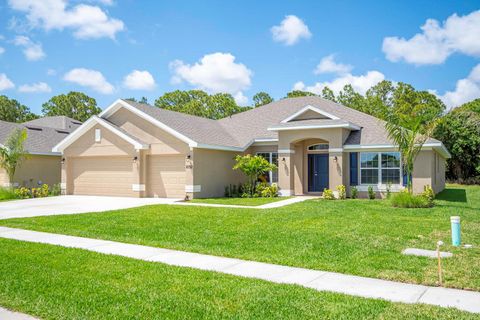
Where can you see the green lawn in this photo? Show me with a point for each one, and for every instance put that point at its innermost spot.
(360, 237)
(52, 282)
(240, 201)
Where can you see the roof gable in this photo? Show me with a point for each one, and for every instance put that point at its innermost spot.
(310, 113)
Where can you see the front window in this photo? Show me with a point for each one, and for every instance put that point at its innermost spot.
(320, 146)
(272, 157)
(380, 167)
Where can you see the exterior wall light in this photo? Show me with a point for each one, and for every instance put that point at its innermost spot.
(283, 159)
(335, 159)
(189, 157)
(62, 161)
(135, 159)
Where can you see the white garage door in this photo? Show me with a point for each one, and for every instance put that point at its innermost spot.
(166, 176)
(102, 176)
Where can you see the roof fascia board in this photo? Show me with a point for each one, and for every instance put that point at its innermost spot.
(71, 138)
(320, 126)
(438, 146)
(311, 108)
(114, 107)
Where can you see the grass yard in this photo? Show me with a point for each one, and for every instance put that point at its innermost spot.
(360, 237)
(60, 283)
(239, 201)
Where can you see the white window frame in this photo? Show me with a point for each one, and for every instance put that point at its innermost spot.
(270, 159)
(98, 135)
(379, 186)
(316, 144)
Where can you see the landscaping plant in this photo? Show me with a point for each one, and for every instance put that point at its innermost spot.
(7, 194)
(405, 199)
(354, 192)
(371, 193)
(342, 193)
(328, 194)
(253, 167)
(13, 152)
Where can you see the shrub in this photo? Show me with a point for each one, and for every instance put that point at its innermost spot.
(271, 191)
(371, 193)
(354, 192)
(7, 194)
(342, 193)
(408, 200)
(389, 190)
(253, 167)
(56, 190)
(23, 193)
(227, 193)
(428, 194)
(248, 190)
(328, 194)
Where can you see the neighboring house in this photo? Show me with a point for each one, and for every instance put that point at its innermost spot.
(137, 150)
(41, 165)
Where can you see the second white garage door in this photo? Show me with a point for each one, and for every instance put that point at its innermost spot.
(166, 176)
(102, 176)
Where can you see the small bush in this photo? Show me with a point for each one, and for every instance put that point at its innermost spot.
(266, 190)
(7, 194)
(408, 200)
(371, 193)
(389, 190)
(342, 193)
(354, 192)
(23, 193)
(428, 194)
(328, 194)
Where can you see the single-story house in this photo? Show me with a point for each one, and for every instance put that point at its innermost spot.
(137, 150)
(41, 165)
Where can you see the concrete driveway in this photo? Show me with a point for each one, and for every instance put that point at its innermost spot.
(72, 205)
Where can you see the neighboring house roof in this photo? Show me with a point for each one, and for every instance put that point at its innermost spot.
(57, 122)
(40, 140)
(239, 131)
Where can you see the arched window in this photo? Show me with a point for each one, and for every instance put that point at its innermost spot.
(318, 146)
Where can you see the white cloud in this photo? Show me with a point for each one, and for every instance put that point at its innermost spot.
(2, 50)
(437, 42)
(51, 72)
(466, 90)
(241, 99)
(38, 87)
(216, 72)
(290, 30)
(328, 65)
(360, 83)
(89, 78)
(32, 51)
(139, 80)
(86, 21)
(5, 83)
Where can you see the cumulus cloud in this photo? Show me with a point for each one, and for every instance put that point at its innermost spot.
(328, 65)
(466, 89)
(86, 21)
(290, 31)
(360, 83)
(89, 78)
(5, 83)
(216, 72)
(139, 80)
(32, 51)
(39, 87)
(437, 41)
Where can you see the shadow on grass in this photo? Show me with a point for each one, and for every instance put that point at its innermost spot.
(453, 195)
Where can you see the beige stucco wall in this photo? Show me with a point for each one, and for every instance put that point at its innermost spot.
(34, 169)
(212, 170)
(429, 169)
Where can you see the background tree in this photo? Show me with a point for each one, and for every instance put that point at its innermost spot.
(13, 111)
(13, 152)
(261, 98)
(299, 93)
(76, 105)
(142, 100)
(199, 103)
(459, 130)
(328, 94)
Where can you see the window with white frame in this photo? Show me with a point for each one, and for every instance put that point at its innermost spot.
(380, 168)
(318, 147)
(272, 157)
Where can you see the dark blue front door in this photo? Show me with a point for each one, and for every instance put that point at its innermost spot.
(317, 172)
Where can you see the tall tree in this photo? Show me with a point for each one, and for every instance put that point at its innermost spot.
(199, 103)
(76, 105)
(142, 100)
(299, 93)
(261, 98)
(328, 94)
(352, 99)
(13, 152)
(13, 111)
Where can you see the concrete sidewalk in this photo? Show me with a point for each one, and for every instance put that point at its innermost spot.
(11, 315)
(315, 279)
(276, 204)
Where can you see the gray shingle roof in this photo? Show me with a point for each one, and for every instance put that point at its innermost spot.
(313, 122)
(57, 122)
(240, 129)
(39, 139)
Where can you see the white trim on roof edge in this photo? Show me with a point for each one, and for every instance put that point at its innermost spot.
(311, 108)
(318, 126)
(438, 146)
(88, 125)
(121, 103)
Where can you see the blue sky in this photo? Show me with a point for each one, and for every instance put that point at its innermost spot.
(113, 49)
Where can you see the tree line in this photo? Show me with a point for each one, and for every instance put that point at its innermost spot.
(401, 103)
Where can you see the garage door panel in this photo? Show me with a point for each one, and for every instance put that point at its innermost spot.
(166, 176)
(109, 176)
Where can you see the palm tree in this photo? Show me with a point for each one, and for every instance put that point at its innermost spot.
(13, 152)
